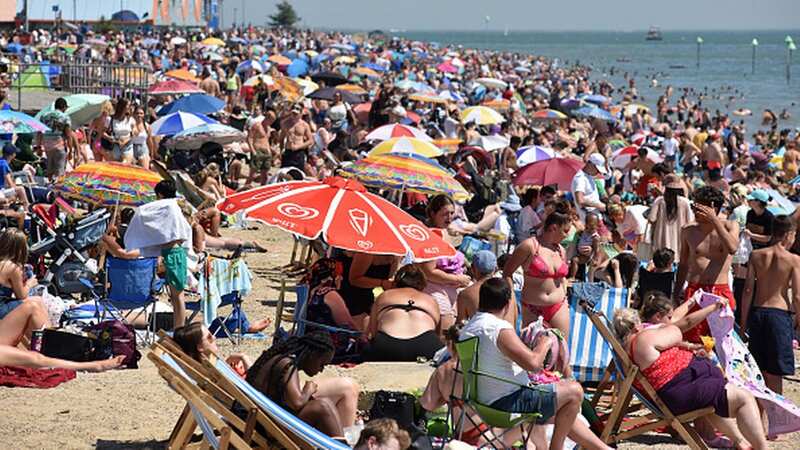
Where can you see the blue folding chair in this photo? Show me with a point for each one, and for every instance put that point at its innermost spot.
(130, 284)
(300, 321)
(235, 301)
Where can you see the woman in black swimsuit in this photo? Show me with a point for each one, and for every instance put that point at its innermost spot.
(362, 274)
(405, 323)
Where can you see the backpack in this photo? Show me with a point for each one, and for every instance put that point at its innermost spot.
(116, 338)
(402, 407)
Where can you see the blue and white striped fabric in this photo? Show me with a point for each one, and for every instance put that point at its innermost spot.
(208, 430)
(283, 418)
(176, 122)
(589, 352)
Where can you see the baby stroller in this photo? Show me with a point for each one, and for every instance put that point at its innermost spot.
(62, 250)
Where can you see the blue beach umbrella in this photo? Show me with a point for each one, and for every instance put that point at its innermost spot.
(248, 65)
(594, 112)
(596, 99)
(15, 47)
(17, 122)
(194, 103)
(179, 121)
(533, 153)
(297, 68)
(375, 67)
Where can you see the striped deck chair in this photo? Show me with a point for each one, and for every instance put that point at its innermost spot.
(208, 414)
(589, 352)
(650, 412)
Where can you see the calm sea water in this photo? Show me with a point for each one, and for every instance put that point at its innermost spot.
(725, 61)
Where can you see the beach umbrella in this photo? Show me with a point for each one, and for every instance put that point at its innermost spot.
(522, 69)
(407, 145)
(481, 115)
(596, 99)
(211, 56)
(492, 83)
(109, 184)
(493, 142)
(366, 72)
(406, 172)
(343, 47)
(570, 103)
(410, 85)
(617, 144)
(249, 65)
(353, 89)
(297, 68)
(387, 132)
(290, 89)
(212, 41)
(177, 40)
(195, 137)
(548, 114)
(622, 157)
(328, 93)
(238, 40)
(307, 85)
(344, 60)
(258, 49)
(14, 122)
(329, 78)
(780, 205)
(259, 79)
(194, 103)
(533, 153)
(178, 121)
(451, 96)
(449, 145)
(559, 171)
(498, 104)
(641, 137)
(427, 98)
(593, 112)
(376, 67)
(343, 213)
(81, 108)
(15, 47)
(447, 67)
(182, 74)
(279, 60)
(174, 87)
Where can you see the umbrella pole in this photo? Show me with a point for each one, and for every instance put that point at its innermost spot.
(279, 305)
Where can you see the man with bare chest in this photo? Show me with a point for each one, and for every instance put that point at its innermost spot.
(258, 137)
(707, 248)
(295, 138)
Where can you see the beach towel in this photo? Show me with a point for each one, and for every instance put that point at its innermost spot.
(224, 277)
(11, 376)
(156, 224)
(741, 368)
(590, 353)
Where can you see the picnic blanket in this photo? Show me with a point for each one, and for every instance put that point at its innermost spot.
(741, 369)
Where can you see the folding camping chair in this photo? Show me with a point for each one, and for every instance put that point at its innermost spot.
(215, 419)
(589, 353)
(224, 392)
(129, 284)
(658, 415)
(469, 368)
(300, 321)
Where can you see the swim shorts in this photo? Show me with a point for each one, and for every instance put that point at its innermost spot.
(539, 399)
(175, 265)
(771, 331)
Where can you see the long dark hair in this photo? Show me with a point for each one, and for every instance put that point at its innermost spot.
(671, 202)
(314, 342)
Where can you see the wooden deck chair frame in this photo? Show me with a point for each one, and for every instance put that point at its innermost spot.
(227, 393)
(468, 367)
(626, 372)
(215, 414)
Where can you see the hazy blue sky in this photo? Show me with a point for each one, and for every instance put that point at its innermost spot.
(533, 14)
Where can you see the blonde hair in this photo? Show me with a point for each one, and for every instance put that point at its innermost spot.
(383, 430)
(625, 321)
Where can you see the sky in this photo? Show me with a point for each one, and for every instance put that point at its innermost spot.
(544, 15)
(541, 15)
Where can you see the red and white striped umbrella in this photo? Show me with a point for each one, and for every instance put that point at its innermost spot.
(622, 157)
(343, 213)
(396, 131)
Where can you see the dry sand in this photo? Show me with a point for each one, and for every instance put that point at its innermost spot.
(134, 409)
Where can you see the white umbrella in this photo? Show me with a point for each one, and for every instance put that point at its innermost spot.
(494, 142)
(177, 40)
(492, 83)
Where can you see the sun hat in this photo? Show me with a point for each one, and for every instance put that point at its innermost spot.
(597, 160)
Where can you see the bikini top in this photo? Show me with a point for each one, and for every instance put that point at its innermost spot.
(407, 307)
(540, 269)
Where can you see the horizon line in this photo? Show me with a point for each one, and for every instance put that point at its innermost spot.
(528, 30)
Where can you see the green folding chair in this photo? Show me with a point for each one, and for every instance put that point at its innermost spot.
(494, 418)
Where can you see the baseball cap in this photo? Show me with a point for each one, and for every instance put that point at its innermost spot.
(760, 195)
(597, 160)
(485, 262)
(10, 149)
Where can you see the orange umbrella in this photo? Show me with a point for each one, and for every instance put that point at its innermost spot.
(367, 72)
(498, 104)
(182, 74)
(280, 60)
(290, 89)
(354, 88)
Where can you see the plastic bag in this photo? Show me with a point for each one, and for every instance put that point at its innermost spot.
(742, 254)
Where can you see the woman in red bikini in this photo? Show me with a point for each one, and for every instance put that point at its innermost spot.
(545, 290)
(686, 381)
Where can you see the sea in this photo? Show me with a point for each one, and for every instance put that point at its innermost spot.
(725, 63)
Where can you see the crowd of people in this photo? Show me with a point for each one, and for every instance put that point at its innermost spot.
(663, 203)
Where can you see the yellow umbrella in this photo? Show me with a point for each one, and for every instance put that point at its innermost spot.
(182, 74)
(407, 145)
(354, 88)
(344, 60)
(311, 53)
(425, 98)
(213, 41)
(280, 60)
(290, 89)
(367, 72)
(481, 115)
(307, 85)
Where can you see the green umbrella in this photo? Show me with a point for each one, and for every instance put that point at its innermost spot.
(81, 108)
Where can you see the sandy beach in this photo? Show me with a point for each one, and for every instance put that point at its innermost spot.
(134, 409)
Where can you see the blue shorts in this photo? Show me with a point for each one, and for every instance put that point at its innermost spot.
(7, 306)
(539, 399)
(771, 332)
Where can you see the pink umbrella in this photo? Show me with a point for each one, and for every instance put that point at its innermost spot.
(558, 171)
(622, 157)
(447, 67)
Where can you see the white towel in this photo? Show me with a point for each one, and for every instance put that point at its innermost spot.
(156, 224)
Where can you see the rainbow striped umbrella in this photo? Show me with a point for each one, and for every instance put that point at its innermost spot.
(109, 183)
(406, 172)
(407, 145)
(549, 114)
